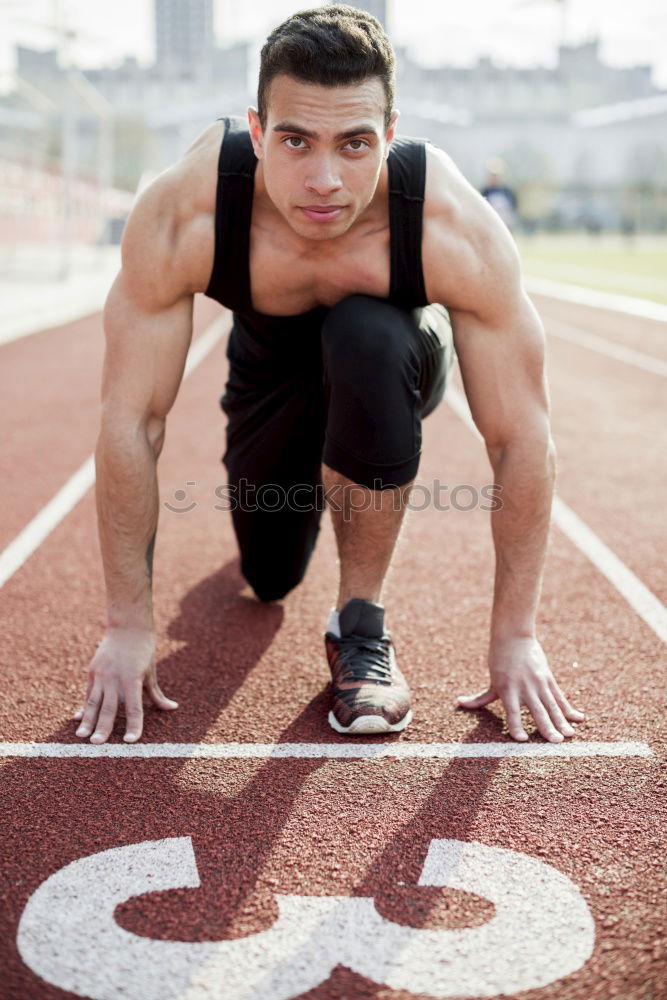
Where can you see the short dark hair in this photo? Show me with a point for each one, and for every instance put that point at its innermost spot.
(335, 45)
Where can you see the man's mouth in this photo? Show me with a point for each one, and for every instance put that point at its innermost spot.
(322, 213)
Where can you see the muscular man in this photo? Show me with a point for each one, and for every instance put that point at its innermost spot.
(337, 247)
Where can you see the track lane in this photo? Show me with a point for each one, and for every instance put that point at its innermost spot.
(608, 348)
(50, 387)
(638, 333)
(348, 829)
(218, 642)
(249, 672)
(42, 442)
(608, 425)
(187, 533)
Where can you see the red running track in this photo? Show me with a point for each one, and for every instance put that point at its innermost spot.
(579, 889)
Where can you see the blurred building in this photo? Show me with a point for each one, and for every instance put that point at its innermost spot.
(184, 38)
(583, 141)
(160, 108)
(36, 65)
(489, 91)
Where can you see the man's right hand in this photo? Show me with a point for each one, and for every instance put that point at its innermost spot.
(122, 666)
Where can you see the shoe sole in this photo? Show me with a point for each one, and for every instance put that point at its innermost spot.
(365, 724)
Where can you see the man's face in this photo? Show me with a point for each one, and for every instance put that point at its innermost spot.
(322, 152)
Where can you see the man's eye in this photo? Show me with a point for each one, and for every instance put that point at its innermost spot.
(293, 141)
(357, 144)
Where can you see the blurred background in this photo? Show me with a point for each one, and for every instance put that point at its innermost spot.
(555, 109)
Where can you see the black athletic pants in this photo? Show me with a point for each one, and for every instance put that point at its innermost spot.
(352, 394)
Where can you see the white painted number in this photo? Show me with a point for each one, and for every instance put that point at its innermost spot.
(542, 930)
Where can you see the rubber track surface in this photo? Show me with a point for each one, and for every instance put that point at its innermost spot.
(253, 673)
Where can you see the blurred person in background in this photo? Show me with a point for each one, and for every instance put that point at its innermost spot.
(501, 197)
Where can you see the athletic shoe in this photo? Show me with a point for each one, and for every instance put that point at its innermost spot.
(370, 694)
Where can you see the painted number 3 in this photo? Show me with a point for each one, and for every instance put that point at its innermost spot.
(541, 931)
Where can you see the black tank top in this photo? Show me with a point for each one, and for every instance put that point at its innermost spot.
(230, 279)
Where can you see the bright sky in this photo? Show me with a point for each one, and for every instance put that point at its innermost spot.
(522, 32)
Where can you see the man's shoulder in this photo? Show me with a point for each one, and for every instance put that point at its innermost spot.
(448, 195)
(183, 187)
(465, 244)
(192, 179)
(169, 232)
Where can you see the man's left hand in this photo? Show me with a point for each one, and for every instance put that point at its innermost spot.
(520, 675)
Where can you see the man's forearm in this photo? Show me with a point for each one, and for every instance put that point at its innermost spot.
(525, 471)
(127, 515)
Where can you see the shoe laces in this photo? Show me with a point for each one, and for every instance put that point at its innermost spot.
(365, 658)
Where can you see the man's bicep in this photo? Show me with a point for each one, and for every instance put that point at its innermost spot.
(502, 361)
(146, 350)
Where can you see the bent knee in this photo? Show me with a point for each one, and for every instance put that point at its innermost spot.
(364, 327)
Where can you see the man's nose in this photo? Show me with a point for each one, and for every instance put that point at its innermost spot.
(323, 178)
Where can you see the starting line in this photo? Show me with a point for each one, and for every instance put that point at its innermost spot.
(331, 751)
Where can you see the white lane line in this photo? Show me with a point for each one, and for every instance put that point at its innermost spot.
(627, 304)
(34, 533)
(227, 751)
(637, 286)
(601, 345)
(636, 593)
(205, 343)
(50, 516)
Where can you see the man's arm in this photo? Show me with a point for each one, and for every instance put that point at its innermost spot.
(148, 328)
(500, 345)
(144, 362)
(502, 366)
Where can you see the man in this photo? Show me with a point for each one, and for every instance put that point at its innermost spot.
(331, 241)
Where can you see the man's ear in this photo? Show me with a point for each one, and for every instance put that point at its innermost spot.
(391, 130)
(256, 134)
